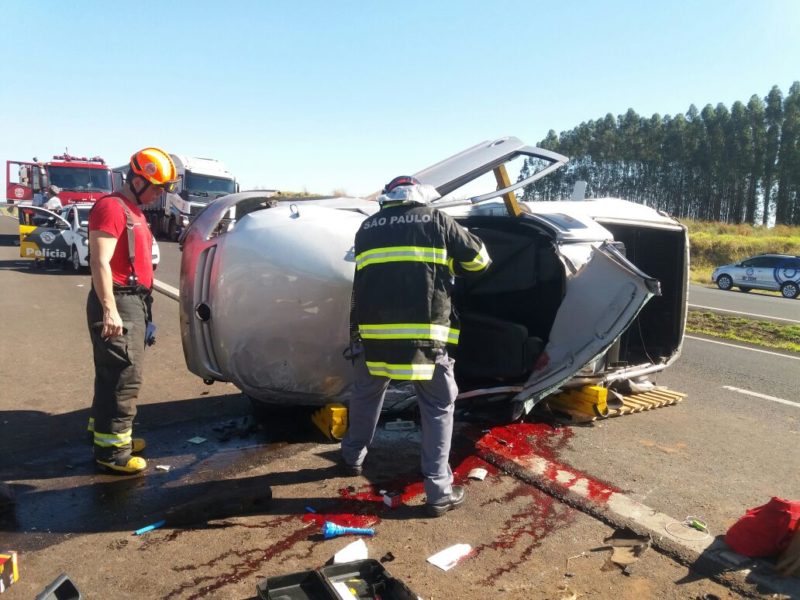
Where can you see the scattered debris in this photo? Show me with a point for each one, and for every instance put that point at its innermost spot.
(388, 557)
(400, 425)
(392, 499)
(163, 467)
(310, 510)
(61, 588)
(566, 563)
(197, 440)
(680, 529)
(354, 551)
(627, 546)
(240, 428)
(150, 527)
(332, 530)
(478, 473)
(449, 557)
(9, 569)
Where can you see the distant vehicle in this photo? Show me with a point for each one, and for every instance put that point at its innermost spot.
(80, 179)
(62, 238)
(579, 293)
(776, 272)
(202, 180)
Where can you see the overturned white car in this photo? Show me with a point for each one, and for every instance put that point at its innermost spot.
(579, 292)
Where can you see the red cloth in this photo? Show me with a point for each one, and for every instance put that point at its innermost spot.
(765, 530)
(108, 216)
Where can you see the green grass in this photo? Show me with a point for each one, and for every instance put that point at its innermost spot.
(762, 333)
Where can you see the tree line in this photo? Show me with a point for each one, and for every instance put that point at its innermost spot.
(737, 165)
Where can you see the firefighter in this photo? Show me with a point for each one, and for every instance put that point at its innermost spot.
(118, 306)
(401, 323)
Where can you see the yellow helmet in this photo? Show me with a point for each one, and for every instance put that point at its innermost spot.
(155, 166)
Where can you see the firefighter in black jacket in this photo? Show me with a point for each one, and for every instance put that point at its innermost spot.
(406, 257)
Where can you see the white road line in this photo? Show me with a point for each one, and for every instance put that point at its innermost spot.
(762, 396)
(743, 314)
(691, 337)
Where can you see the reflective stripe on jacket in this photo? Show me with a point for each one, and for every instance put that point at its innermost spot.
(406, 256)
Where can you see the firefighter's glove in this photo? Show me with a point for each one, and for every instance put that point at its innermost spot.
(150, 334)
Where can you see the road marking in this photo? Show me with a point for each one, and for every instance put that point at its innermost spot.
(691, 337)
(742, 314)
(762, 396)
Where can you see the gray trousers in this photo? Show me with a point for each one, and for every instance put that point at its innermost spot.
(436, 399)
(117, 375)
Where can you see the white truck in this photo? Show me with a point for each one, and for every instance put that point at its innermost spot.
(201, 181)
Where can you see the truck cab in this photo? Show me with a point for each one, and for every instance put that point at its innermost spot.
(202, 180)
(77, 179)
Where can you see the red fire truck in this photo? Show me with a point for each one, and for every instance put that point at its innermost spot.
(78, 179)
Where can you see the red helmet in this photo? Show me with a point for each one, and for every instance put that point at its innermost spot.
(398, 181)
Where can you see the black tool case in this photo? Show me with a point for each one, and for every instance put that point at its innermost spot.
(365, 580)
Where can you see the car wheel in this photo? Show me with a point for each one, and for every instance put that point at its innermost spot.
(76, 260)
(724, 282)
(744, 289)
(790, 289)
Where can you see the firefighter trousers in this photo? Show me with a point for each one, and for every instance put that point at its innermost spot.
(436, 400)
(117, 374)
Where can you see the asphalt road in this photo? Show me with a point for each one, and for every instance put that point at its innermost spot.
(719, 452)
(754, 305)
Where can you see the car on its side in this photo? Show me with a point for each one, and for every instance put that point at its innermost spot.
(774, 272)
(579, 293)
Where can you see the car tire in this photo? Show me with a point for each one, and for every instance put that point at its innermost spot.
(724, 282)
(790, 289)
(744, 289)
(75, 260)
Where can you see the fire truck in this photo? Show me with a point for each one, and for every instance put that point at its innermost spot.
(79, 179)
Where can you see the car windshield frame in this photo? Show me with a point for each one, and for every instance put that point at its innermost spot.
(192, 183)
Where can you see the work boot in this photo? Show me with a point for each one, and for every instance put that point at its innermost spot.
(127, 465)
(451, 502)
(138, 445)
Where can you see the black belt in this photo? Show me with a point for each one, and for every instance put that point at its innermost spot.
(131, 290)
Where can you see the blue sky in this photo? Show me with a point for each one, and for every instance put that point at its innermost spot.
(320, 96)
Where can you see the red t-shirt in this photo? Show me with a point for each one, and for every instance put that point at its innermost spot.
(107, 215)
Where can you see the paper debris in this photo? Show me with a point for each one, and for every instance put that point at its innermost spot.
(478, 473)
(196, 440)
(355, 551)
(449, 557)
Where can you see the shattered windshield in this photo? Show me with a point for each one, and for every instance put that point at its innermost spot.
(77, 179)
(204, 185)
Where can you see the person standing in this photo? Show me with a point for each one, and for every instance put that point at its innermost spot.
(118, 306)
(401, 321)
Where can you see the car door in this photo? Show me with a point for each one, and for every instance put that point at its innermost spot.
(758, 272)
(42, 234)
(604, 293)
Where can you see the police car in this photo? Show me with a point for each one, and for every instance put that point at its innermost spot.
(63, 237)
(776, 272)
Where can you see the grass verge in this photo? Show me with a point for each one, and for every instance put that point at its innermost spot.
(762, 333)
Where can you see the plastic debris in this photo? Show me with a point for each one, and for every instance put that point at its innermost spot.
(150, 527)
(449, 557)
(332, 530)
(197, 440)
(163, 467)
(354, 551)
(392, 499)
(388, 557)
(478, 473)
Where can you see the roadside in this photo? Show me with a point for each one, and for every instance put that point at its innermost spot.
(761, 333)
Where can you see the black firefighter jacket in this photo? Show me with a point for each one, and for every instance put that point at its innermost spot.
(406, 257)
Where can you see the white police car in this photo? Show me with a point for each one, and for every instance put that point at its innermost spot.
(776, 272)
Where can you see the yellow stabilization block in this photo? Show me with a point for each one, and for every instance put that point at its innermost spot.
(590, 400)
(331, 420)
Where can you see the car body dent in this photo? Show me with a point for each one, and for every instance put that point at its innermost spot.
(265, 304)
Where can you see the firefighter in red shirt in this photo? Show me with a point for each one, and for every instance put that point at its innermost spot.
(118, 306)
